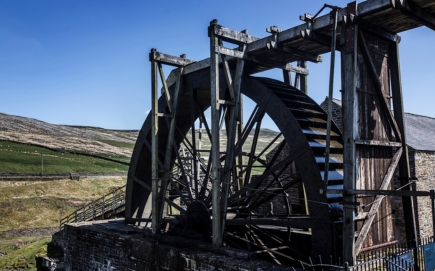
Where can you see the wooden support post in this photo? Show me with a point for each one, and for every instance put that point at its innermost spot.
(215, 146)
(195, 160)
(169, 144)
(404, 170)
(334, 15)
(304, 78)
(155, 224)
(348, 42)
(287, 77)
(232, 131)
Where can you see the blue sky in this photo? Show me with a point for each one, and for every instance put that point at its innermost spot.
(86, 62)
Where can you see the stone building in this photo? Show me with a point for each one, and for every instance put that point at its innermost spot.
(420, 132)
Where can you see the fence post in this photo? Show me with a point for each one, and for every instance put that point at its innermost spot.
(113, 204)
(75, 216)
(102, 209)
(432, 202)
(93, 210)
(415, 245)
(346, 266)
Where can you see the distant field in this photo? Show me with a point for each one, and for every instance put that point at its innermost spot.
(42, 205)
(15, 157)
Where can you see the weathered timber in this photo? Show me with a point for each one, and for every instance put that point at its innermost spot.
(349, 65)
(375, 206)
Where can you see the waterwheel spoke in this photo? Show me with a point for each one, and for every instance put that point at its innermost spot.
(256, 114)
(263, 246)
(184, 176)
(295, 180)
(279, 241)
(253, 148)
(253, 184)
(194, 152)
(167, 200)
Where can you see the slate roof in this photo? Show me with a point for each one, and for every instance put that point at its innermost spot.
(420, 132)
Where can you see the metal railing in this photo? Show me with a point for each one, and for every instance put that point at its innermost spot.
(102, 208)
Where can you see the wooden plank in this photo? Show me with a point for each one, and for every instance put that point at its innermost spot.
(374, 29)
(154, 143)
(165, 87)
(297, 53)
(169, 145)
(231, 137)
(258, 59)
(215, 143)
(412, 10)
(378, 143)
(321, 39)
(394, 193)
(171, 60)
(375, 206)
(404, 169)
(288, 221)
(230, 35)
(378, 85)
(348, 40)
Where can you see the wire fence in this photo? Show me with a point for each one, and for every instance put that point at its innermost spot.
(102, 208)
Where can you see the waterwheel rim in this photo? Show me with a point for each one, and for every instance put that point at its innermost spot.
(270, 98)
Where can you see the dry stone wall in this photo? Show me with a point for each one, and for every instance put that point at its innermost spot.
(425, 173)
(116, 246)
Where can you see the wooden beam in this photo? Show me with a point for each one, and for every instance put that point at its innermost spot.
(215, 144)
(230, 35)
(374, 29)
(404, 170)
(393, 193)
(297, 53)
(262, 60)
(375, 206)
(171, 60)
(155, 225)
(412, 10)
(231, 136)
(165, 87)
(348, 40)
(378, 143)
(318, 38)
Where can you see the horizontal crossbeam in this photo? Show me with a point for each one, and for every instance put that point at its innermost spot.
(395, 193)
(261, 60)
(412, 10)
(169, 59)
(378, 143)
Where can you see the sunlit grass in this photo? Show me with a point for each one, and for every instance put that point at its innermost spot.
(23, 158)
(44, 204)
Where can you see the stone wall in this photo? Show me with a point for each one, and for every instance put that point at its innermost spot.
(425, 173)
(113, 245)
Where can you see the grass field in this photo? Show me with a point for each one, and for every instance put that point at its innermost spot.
(16, 157)
(21, 253)
(42, 205)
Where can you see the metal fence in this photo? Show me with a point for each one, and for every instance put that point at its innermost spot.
(412, 256)
(102, 208)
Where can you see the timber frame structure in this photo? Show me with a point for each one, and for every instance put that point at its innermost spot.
(373, 141)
